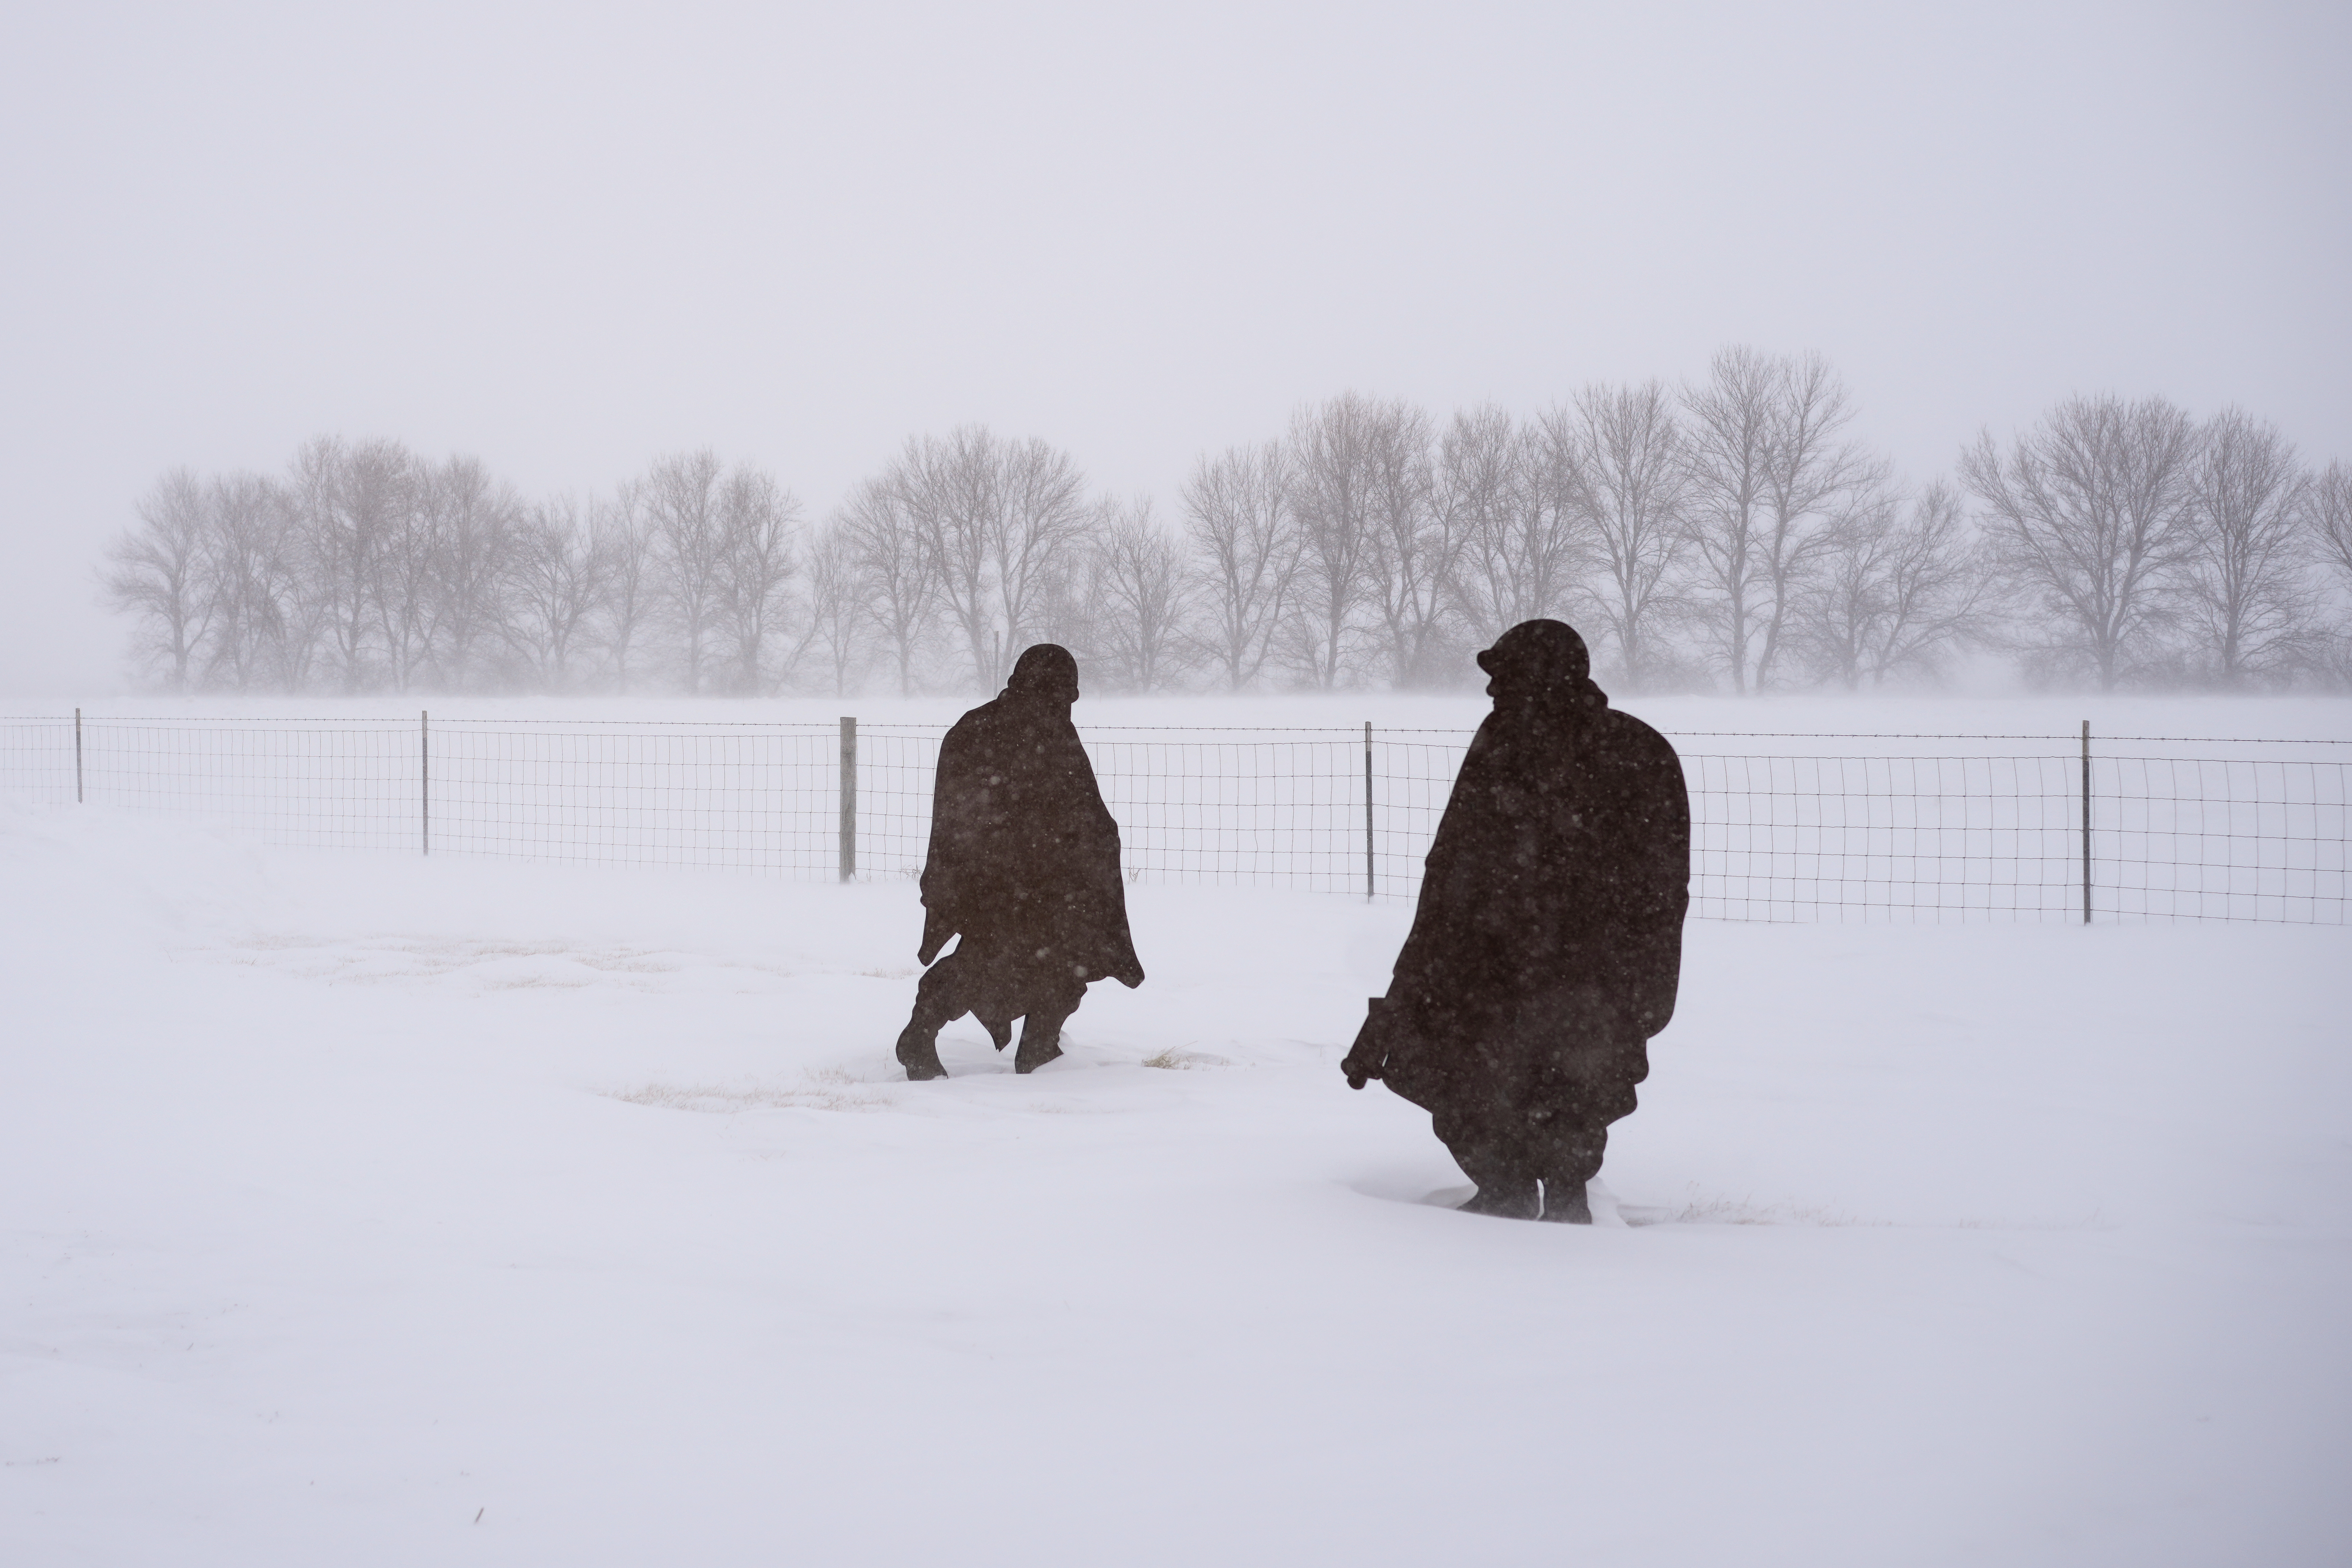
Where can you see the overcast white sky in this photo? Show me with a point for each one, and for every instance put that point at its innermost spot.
(568, 238)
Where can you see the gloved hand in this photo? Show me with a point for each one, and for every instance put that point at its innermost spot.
(937, 929)
(1365, 1058)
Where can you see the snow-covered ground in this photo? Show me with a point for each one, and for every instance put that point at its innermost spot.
(357, 1209)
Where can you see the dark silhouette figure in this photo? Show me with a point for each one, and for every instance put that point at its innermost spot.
(1547, 942)
(1024, 866)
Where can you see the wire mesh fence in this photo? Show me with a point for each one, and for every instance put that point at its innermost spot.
(2216, 838)
(1778, 837)
(1889, 838)
(756, 798)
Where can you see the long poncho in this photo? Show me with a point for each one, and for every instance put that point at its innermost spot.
(1023, 856)
(1551, 905)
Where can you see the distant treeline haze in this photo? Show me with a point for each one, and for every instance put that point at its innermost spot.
(1727, 534)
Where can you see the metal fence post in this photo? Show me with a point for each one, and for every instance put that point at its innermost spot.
(424, 775)
(77, 756)
(849, 800)
(1368, 811)
(2087, 822)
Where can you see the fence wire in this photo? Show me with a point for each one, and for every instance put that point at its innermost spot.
(1774, 838)
(2209, 838)
(740, 798)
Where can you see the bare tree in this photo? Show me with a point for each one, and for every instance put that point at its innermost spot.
(161, 572)
(681, 499)
(2327, 519)
(408, 602)
(1769, 468)
(1809, 473)
(1334, 465)
(2247, 603)
(837, 601)
(1729, 438)
(898, 574)
(950, 489)
(1512, 511)
(558, 582)
(1141, 594)
(237, 547)
(994, 517)
(263, 633)
(1042, 513)
(1618, 453)
(2327, 506)
(757, 519)
(1414, 547)
(310, 479)
(351, 501)
(1065, 607)
(1245, 554)
(1895, 591)
(622, 545)
(2084, 513)
(474, 523)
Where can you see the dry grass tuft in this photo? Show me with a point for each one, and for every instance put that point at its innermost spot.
(1177, 1059)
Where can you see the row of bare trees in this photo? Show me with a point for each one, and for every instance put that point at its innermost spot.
(1729, 533)
(365, 567)
(2141, 545)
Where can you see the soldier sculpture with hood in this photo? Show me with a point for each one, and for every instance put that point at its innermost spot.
(1547, 946)
(1024, 866)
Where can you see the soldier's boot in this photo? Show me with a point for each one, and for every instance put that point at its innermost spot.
(1040, 1041)
(1508, 1199)
(1575, 1160)
(1565, 1201)
(919, 1052)
(937, 1000)
(918, 1042)
(1487, 1154)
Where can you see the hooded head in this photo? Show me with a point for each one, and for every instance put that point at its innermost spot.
(1542, 661)
(1045, 672)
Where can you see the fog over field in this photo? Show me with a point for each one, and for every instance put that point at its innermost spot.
(465, 294)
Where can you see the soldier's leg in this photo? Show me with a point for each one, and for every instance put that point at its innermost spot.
(937, 1000)
(1041, 1031)
(1574, 1162)
(1477, 1107)
(1489, 1149)
(1598, 1087)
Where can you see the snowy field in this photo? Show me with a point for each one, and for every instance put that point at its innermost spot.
(365, 1209)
